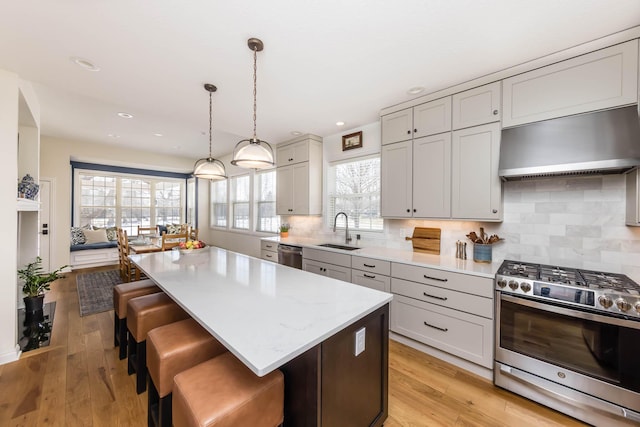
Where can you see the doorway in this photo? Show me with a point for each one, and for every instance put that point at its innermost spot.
(47, 198)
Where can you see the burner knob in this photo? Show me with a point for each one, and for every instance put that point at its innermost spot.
(623, 305)
(605, 301)
(502, 283)
(513, 285)
(526, 287)
(637, 306)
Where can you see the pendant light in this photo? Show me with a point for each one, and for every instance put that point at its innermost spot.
(210, 168)
(253, 153)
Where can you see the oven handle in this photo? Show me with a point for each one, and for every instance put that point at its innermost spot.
(570, 312)
(586, 402)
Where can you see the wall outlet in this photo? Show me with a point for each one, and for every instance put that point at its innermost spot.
(360, 336)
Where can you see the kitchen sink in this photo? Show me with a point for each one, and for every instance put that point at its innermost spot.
(343, 247)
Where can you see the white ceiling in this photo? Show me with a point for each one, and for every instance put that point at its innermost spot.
(324, 60)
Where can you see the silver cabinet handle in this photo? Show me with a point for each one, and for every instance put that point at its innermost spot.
(434, 296)
(436, 327)
(435, 278)
(367, 276)
(268, 246)
(370, 266)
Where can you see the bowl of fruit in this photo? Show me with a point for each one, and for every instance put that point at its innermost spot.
(190, 245)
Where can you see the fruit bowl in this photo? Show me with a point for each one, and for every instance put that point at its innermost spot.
(190, 246)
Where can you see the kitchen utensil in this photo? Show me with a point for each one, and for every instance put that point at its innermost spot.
(426, 240)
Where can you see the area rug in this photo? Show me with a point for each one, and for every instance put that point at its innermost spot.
(95, 291)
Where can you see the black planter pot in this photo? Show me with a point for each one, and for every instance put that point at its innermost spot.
(33, 304)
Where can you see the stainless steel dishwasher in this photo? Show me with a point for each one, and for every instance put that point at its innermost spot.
(290, 255)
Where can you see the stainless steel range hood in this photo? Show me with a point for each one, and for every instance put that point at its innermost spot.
(594, 143)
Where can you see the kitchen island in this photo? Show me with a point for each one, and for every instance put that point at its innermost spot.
(275, 317)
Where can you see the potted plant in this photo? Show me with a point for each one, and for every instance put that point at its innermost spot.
(36, 282)
(284, 230)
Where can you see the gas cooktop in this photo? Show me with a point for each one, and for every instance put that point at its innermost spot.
(609, 292)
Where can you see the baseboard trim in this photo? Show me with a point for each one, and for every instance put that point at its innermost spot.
(10, 356)
(449, 358)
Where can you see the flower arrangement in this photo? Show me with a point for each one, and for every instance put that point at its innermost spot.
(284, 227)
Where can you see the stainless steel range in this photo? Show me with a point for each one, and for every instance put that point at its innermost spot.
(570, 339)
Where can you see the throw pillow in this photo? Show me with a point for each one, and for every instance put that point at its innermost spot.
(77, 236)
(112, 234)
(96, 236)
(162, 229)
(173, 229)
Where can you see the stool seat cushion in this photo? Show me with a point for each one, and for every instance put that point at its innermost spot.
(124, 292)
(151, 311)
(223, 392)
(176, 347)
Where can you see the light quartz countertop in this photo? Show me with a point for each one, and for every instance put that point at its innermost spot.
(441, 262)
(264, 313)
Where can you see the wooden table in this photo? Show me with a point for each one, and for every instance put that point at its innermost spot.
(144, 249)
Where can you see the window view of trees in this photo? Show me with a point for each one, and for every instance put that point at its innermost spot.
(354, 188)
(266, 218)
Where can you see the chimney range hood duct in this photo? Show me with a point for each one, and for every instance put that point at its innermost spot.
(603, 142)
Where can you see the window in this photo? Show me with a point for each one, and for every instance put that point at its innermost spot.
(240, 198)
(265, 202)
(106, 199)
(219, 203)
(354, 188)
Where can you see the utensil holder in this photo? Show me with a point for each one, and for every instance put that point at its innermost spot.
(482, 253)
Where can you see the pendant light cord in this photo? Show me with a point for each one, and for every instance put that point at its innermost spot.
(210, 123)
(255, 90)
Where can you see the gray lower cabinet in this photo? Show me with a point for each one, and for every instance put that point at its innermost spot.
(451, 312)
(371, 273)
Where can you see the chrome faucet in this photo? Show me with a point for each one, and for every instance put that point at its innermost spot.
(347, 238)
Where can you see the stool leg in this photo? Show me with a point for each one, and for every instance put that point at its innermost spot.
(116, 330)
(165, 411)
(153, 410)
(122, 337)
(131, 355)
(141, 367)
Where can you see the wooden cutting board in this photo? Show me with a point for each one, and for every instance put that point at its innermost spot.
(426, 240)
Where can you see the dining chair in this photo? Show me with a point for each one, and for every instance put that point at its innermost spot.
(147, 231)
(193, 233)
(170, 241)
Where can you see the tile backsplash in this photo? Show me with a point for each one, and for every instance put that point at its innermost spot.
(571, 221)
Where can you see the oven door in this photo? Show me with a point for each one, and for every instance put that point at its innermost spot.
(592, 353)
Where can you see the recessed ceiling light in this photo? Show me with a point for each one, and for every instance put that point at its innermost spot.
(84, 63)
(415, 90)
(125, 115)
(113, 135)
(339, 123)
(296, 132)
(157, 134)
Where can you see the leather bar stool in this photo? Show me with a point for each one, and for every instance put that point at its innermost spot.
(172, 349)
(224, 392)
(121, 296)
(144, 314)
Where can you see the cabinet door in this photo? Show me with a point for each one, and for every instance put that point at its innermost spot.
(313, 266)
(292, 153)
(432, 176)
(338, 272)
(396, 180)
(284, 190)
(432, 117)
(301, 188)
(602, 79)
(476, 189)
(477, 106)
(370, 280)
(397, 126)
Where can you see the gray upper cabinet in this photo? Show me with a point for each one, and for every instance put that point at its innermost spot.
(397, 127)
(425, 119)
(599, 80)
(477, 106)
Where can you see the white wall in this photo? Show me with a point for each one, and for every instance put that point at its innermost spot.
(8, 215)
(55, 157)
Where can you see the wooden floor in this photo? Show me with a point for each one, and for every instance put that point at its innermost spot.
(79, 381)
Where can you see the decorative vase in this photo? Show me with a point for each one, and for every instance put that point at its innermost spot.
(482, 253)
(33, 304)
(284, 234)
(28, 187)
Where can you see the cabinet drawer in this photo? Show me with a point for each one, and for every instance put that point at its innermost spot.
(464, 335)
(268, 245)
(269, 256)
(445, 297)
(371, 264)
(327, 256)
(475, 285)
(374, 281)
